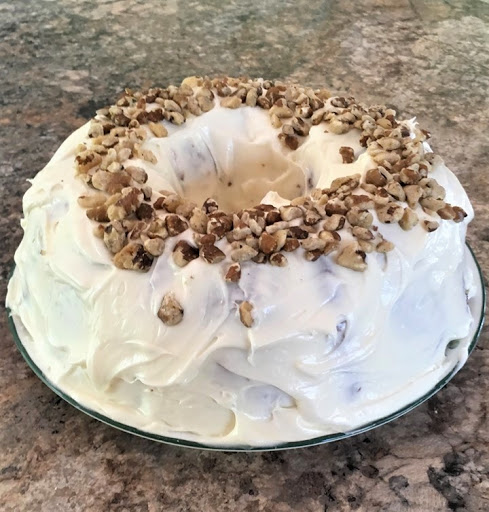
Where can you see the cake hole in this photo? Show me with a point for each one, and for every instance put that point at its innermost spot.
(253, 171)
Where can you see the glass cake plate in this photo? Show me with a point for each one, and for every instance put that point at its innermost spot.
(476, 304)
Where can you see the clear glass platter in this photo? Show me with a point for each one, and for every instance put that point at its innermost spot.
(476, 304)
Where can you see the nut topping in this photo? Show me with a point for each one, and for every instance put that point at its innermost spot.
(289, 213)
(184, 253)
(278, 260)
(245, 313)
(233, 273)
(351, 256)
(347, 154)
(242, 252)
(267, 243)
(175, 225)
(390, 213)
(134, 221)
(133, 257)
(408, 220)
(211, 254)
(170, 312)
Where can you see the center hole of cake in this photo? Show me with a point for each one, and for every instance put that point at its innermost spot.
(247, 181)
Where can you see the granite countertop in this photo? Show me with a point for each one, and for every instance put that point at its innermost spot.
(61, 60)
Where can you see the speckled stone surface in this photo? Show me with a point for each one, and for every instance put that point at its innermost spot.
(61, 60)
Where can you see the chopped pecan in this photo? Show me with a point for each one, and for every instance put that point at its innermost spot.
(263, 102)
(205, 104)
(289, 213)
(204, 239)
(300, 126)
(198, 221)
(430, 225)
(297, 232)
(432, 204)
(409, 176)
(175, 225)
(338, 127)
(272, 217)
(154, 246)
(281, 237)
(233, 273)
(267, 243)
(313, 255)
(210, 205)
(96, 129)
(447, 212)
(86, 160)
(171, 202)
(278, 260)
(408, 220)
(184, 253)
(211, 253)
(281, 112)
(311, 218)
(357, 217)
(367, 246)
(147, 192)
(114, 167)
(257, 225)
(133, 257)
(114, 239)
(110, 182)
(460, 214)
(171, 106)
(345, 183)
(312, 244)
(242, 252)
(362, 233)
(389, 143)
(291, 244)
(185, 208)
(144, 211)
(245, 313)
(318, 116)
(252, 242)
(413, 195)
(261, 257)
(291, 141)
(219, 226)
(360, 201)
(334, 222)
(138, 174)
(241, 230)
(174, 117)
(375, 177)
(125, 205)
(231, 102)
(251, 97)
(431, 188)
(384, 246)
(390, 213)
(395, 190)
(99, 213)
(352, 257)
(170, 311)
(347, 154)
(92, 200)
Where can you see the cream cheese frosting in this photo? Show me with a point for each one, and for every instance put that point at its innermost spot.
(330, 349)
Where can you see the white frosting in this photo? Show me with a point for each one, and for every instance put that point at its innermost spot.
(330, 350)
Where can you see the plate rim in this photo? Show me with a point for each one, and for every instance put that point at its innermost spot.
(288, 445)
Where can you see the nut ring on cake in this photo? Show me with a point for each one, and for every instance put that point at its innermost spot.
(243, 260)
